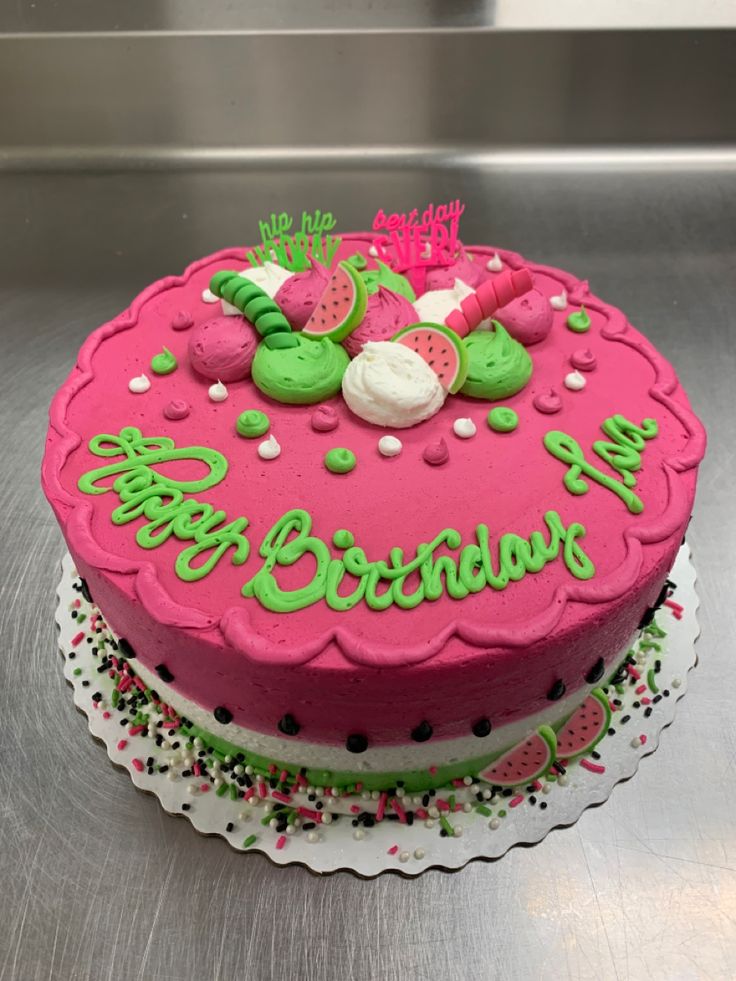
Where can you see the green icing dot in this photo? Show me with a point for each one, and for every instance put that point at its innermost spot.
(252, 423)
(163, 363)
(579, 321)
(502, 419)
(343, 538)
(340, 460)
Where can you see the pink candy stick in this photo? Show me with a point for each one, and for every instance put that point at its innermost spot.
(488, 298)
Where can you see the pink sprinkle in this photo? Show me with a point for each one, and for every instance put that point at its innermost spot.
(76, 640)
(642, 739)
(284, 798)
(137, 764)
(358, 787)
(674, 606)
(124, 683)
(140, 683)
(458, 807)
(197, 770)
(640, 689)
(170, 724)
(281, 842)
(593, 767)
(432, 770)
(421, 814)
(122, 743)
(111, 673)
(393, 849)
(646, 700)
(105, 715)
(262, 789)
(284, 776)
(301, 780)
(632, 671)
(76, 604)
(399, 810)
(312, 815)
(249, 793)
(441, 805)
(381, 809)
(134, 730)
(204, 787)
(537, 785)
(613, 708)
(272, 768)
(354, 809)
(458, 783)
(515, 801)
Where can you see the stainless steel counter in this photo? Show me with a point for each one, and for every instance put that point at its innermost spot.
(97, 882)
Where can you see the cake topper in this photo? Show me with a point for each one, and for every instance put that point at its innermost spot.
(295, 251)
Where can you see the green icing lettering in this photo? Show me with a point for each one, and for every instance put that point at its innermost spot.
(144, 492)
(498, 366)
(622, 453)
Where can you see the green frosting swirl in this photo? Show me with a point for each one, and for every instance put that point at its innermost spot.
(302, 375)
(163, 363)
(498, 366)
(252, 423)
(579, 321)
(340, 460)
(390, 280)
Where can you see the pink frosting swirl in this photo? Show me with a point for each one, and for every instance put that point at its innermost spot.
(547, 402)
(435, 454)
(464, 268)
(386, 313)
(176, 409)
(528, 319)
(298, 296)
(223, 349)
(583, 359)
(324, 419)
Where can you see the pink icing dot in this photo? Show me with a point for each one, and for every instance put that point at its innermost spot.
(181, 320)
(324, 419)
(177, 409)
(548, 402)
(583, 359)
(222, 349)
(435, 454)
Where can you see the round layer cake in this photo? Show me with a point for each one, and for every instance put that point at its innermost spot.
(390, 568)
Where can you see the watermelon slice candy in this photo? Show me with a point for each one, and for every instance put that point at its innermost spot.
(341, 307)
(586, 726)
(525, 762)
(441, 348)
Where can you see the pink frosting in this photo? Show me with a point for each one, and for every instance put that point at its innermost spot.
(493, 654)
(529, 318)
(470, 271)
(386, 313)
(223, 349)
(299, 294)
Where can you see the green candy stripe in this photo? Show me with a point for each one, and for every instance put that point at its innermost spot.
(250, 299)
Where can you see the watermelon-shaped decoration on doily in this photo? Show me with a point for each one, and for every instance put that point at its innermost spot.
(526, 761)
(441, 348)
(341, 307)
(585, 727)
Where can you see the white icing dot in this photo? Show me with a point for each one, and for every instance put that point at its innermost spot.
(559, 302)
(269, 449)
(494, 264)
(574, 381)
(389, 446)
(139, 384)
(464, 428)
(494, 824)
(373, 251)
(217, 392)
(419, 853)
(209, 297)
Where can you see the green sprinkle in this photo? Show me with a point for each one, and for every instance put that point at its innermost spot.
(78, 671)
(619, 689)
(81, 618)
(233, 791)
(502, 419)
(221, 790)
(267, 819)
(451, 802)
(115, 697)
(252, 423)
(446, 825)
(163, 363)
(502, 814)
(250, 840)
(482, 809)
(651, 682)
(340, 460)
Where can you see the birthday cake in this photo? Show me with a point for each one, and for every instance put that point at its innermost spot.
(372, 513)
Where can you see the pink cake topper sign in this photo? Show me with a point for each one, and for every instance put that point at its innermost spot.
(412, 242)
(295, 251)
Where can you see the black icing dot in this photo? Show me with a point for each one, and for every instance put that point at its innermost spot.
(596, 672)
(481, 728)
(422, 732)
(356, 743)
(163, 672)
(556, 691)
(288, 725)
(223, 715)
(126, 649)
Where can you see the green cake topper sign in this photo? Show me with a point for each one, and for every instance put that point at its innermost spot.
(295, 250)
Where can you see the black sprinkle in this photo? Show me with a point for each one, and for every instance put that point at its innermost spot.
(596, 672)
(163, 672)
(422, 732)
(657, 698)
(625, 719)
(97, 697)
(308, 825)
(84, 590)
(185, 807)
(482, 728)
(648, 711)
(543, 806)
(556, 691)
(229, 826)
(223, 715)
(125, 648)
(288, 725)
(356, 743)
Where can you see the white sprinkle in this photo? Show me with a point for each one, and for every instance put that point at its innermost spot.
(429, 823)
(404, 856)
(139, 384)
(217, 783)
(559, 302)
(326, 818)
(574, 381)
(494, 799)
(312, 837)
(228, 759)
(458, 831)
(494, 824)
(359, 834)
(273, 823)
(366, 795)
(419, 853)
(375, 795)
(335, 791)
(171, 775)
(494, 264)
(562, 780)
(400, 792)
(269, 449)
(192, 789)
(635, 742)
(467, 807)
(389, 446)
(267, 808)
(464, 428)
(467, 781)
(547, 788)
(416, 799)
(249, 770)
(198, 743)
(433, 811)
(238, 769)
(319, 791)
(217, 392)
(290, 829)
(487, 794)
(676, 682)
(209, 297)
(373, 251)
